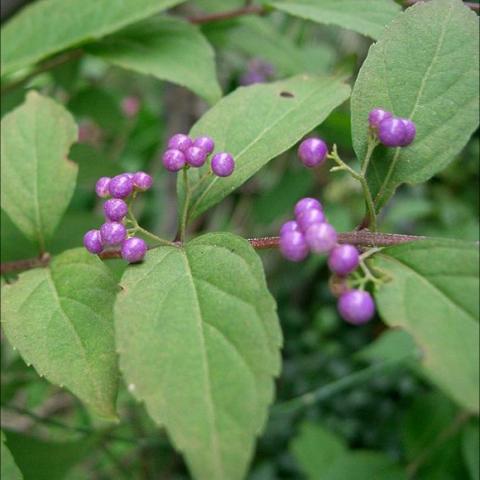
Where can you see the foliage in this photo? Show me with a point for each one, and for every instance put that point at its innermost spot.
(212, 359)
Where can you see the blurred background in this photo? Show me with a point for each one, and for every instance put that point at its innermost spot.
(124, 120)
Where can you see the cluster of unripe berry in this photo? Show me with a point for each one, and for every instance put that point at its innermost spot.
(310, 232)
(114, 232)
(391, 131)
(183, 152)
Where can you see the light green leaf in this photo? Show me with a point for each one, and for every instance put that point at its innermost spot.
(198, 339)
(37, 180)
(433, 295)
(167, 49)
(60, 320)
(324, 456)
(47, 460)
(9, 469)
(257, 123)
(470, 449)
(368, 17)
(49, 26)
(429, 75)
(260, 38)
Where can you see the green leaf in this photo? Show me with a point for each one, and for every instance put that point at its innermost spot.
(429, 75)
(37, 180)
(9, 469)
(257, 123)
(50, 26)
(470, 449)
(198, 339)
(368, 17)
(47, 460)
(324, 456)
(167, 49)
(60, 320)
(433, 295)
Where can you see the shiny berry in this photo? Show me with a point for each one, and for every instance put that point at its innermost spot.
(196, 156)
(174, 160)
(310, 217)
(92, 241)
(312, 152)
(356, 307)
(290, 226)
(293, 246)
(180, 142)
(113, 233)
(392, 132)
(306, 204)
(321, 237)
(133, 249)
(115, 209)
(101, 187)
(343, 259)
(205, 143)
(376, 116)
(223, 164)
(120, 186)
(410, 131)
(142, 181)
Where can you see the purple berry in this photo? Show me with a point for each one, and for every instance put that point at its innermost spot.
(120, 186)
(293, 246)
(392, 132)
(101, 187)
(356, 307)
(321, 237)
(180, 142)
(343, 259)
(115, 209)
(410, 131)
(92, 241)
(376, 116)
(306, 203)
(290, 226)
(174, 160)
(312, 152)
(223, 164)
(142, 181)
(113, 233)
(130, 175)
(196, 156)
(133, 249)
(310, 217)
(205, 143)
(251, 78)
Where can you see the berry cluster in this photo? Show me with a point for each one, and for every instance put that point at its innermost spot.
(310, 232)
(391, 131)
(184, 152)
(113, 232)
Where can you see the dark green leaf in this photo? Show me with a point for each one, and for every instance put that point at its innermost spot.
(9, 469)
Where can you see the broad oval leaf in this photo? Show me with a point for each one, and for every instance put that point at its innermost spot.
(199, 339)
(60, 319)
(429, 75)
(433, 295)
(9, 469)
(37, 178)
(368, 17)
(167, 49)
(49, 26)
(257, 123)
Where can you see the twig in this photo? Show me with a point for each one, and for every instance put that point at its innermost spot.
(219, 16)
(362, 238)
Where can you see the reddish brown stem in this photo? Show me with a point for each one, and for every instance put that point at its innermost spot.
(219, 16)
(362, 238)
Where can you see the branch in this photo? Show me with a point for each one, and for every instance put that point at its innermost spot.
(362, 238)
(238, 12)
